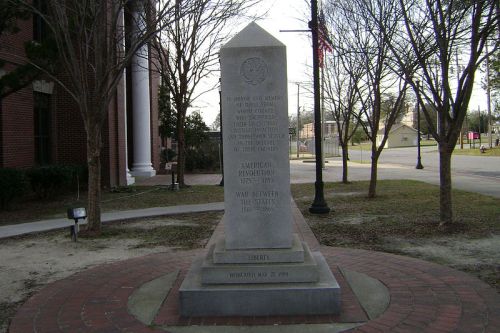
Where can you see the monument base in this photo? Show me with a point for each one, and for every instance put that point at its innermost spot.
(260, 272)
(265, 299)
(251, 256)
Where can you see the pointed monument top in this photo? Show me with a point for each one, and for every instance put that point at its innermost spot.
(253, 35)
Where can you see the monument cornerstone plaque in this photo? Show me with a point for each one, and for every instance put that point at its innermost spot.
(260, 267)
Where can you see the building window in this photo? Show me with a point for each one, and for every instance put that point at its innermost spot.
(42, 128)
(39, 25)
(1, 131)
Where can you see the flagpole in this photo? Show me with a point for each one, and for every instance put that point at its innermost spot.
(323, 113)
(319, 205)
(323, 62)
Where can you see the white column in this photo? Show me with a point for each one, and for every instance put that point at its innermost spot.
(141, 109)
(130, 178)
(121, 29)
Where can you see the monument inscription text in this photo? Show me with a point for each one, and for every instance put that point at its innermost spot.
(255, 126)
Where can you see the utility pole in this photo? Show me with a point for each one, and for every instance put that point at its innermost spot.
(298, 120)
(458, 84)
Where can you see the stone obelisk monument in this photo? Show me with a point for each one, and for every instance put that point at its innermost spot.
(260, 267)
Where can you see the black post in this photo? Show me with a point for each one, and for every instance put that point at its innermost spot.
(419, 160)
(319, 205)
(480, 130)
(221, 143)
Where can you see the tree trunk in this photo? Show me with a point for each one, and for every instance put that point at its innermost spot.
(345, 157)
(94, 186)
(181, 151)
(445, 207)
(372, 189)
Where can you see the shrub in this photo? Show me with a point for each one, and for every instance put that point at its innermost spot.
(47, 181)
(79, 175)
(167, 155)
(12, 185)
(205, 158)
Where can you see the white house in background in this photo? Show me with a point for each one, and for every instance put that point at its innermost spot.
(410, 117)
(401, 135)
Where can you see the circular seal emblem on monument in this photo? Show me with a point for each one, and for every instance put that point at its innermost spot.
(254, 70)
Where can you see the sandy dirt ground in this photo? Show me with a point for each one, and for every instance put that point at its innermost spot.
(29, 263)
(456, 252)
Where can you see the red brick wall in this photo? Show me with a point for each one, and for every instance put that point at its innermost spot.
(16, 124)
(110, 151)
(69, 143)
(17, 130)
(68, 136)
(13, 45)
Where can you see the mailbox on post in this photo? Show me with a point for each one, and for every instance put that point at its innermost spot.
(171, 167)
(76, 214)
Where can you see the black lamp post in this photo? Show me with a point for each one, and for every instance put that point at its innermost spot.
(319, 205)
(419, 161)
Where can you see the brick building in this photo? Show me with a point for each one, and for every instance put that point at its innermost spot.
(40, 124)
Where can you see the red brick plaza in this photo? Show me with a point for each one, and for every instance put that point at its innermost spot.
(424, 297)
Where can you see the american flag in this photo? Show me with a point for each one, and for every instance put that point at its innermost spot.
(325, 44)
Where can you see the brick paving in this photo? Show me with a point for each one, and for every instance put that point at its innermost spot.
(424, 297)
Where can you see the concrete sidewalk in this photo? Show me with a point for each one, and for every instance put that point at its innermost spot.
(46, 225)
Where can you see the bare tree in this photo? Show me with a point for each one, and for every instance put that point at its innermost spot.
(368, 45)
(90, 39)
(436, 30)
(344, 72)
(188, 53)
(341, 86)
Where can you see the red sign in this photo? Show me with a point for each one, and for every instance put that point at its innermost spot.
(473, 135)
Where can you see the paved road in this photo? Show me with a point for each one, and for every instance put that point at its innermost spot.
(471, 173)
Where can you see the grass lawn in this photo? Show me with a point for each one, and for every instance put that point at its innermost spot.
(402, 208)
(494, 151)
(404, 219)
(132, 197)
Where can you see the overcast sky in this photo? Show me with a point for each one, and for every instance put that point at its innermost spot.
(282, 15)
(288, 15)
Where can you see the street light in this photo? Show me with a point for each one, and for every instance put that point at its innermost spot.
(419, 161)
(319, 205)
